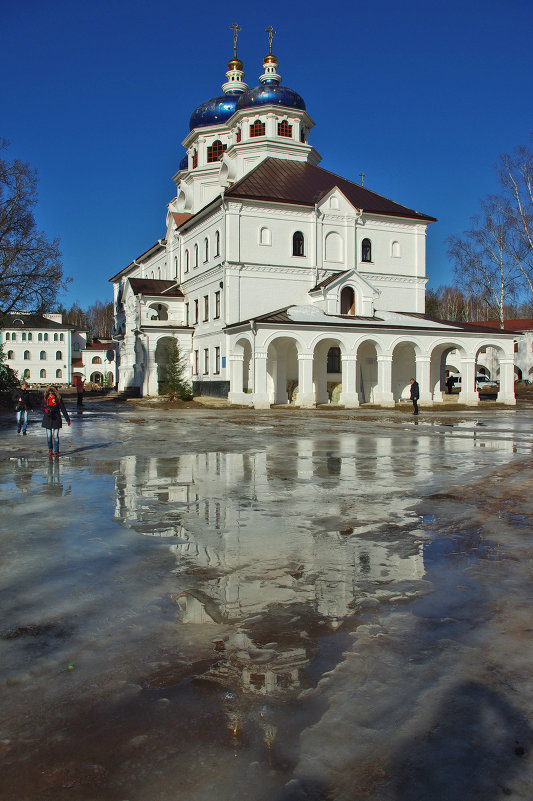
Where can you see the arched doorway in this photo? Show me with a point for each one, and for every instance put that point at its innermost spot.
(403, 369)
(97, 378)
(161, 358)
(282, 371)
(327, 371)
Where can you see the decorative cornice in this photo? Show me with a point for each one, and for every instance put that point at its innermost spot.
(393, 279)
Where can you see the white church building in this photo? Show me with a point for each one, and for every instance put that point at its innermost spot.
(283, 282)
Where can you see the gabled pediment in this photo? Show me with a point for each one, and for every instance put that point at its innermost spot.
(334, 201)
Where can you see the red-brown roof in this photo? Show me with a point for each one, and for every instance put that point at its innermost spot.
(180, 218)
(97, 345)
(329, 280)
(77, 362)
(155, 286)
(511, 325)
(284, 181)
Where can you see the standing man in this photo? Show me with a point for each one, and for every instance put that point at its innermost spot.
(415, 394)
(79, 387)
(22, 407)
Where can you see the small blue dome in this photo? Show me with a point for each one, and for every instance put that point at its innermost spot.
(184, 163)
(214, 111)
(271, 93)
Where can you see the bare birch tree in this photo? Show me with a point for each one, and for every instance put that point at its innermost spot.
(31, 272)
(485, 263)
(516, 177)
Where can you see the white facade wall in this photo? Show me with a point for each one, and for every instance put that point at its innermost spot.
(41, 346)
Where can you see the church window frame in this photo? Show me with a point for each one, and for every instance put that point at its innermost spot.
(265, 236)
(24, 336)
(206, 250)
(206, 308)
(10, 354)
(45, 337)
(194, 159)
(334, 247)
(42, 373)
(27, 355)
(196, 362)
(59, 355)
(13, 337)
(26, 373)
(187, 260)
(395, 250)
(187, 315)
(195, 256)
(96, 360)
(217, 305)
(217, 360)
(42, 355)
(257, 128)
(215, 151)
(284, 129)
(206, 361)
(30, 337)
(8, 335)
(347, 301)
(366, 250)
(217, 243)
(59, 373)
(196, 311)
(298, 244)
(238, 136)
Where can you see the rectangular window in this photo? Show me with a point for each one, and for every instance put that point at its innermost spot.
(206, 308)
(217, 305)
(217, 361)
(206, 361)
(187, 314)
(196, 362)
(196, 311)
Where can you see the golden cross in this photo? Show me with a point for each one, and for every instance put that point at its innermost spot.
(270, 30)
(235, 28)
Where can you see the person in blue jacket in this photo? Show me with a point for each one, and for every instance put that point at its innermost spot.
(53, 408)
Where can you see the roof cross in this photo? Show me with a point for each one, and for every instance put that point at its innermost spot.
(270, 30)
(235, 28)
(362, 176)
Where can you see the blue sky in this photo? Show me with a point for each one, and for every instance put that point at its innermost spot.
(421, 97)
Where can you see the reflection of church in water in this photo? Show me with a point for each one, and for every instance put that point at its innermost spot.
(256, 556)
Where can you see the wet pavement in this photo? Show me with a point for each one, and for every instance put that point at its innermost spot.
(274, 606)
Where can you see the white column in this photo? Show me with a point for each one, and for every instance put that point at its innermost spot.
(349, 397)
(423, 364)
(260, 397)
(506, 392)
(383, 394)
(306, 393)
(236, 367)
(468, 394)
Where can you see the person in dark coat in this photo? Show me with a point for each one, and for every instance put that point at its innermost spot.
(53, 408)
(415, 394)
(22, 400)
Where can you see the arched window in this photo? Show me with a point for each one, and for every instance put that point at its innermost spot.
(257, 129)
(42, 374)
(334, 360)
(217, 243)
(206, 250)
(8, 335)
(55, 337)
(214, 153)
(195, 159)
(366, 250)
(96, 360)
(333, 247)
(59, 374)
(239, 135)
(347, 300)
(196, 255)
(10, 354)
(395, 250)
(264, 236)
(42, 355)
(334, 202)
(13, 337)
(30, 337)
(24, 336)
(46, 337)
(27, 355)
(186, 261)
(59, 355)
(26, 373)
(39, 337)
(61, 338)
(297, 244)
(284, 129)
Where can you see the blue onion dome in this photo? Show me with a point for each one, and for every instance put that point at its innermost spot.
(184, 163)
(271, 94)
(215, 111)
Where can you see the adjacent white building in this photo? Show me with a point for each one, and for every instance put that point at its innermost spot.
(38, 347)
(283, 282)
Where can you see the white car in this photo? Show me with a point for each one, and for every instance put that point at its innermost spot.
(482, 382)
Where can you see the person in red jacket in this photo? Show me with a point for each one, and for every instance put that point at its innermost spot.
(53, 408)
